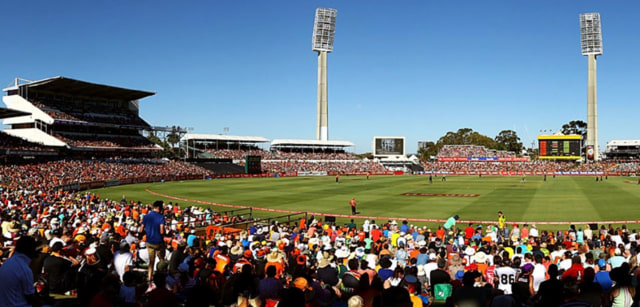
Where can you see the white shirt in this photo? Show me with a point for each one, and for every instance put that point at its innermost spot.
(539, 275)
(430, 266)
(564, 264)
(505, 277)
(121, 261)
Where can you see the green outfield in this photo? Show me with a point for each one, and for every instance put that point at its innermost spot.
(560, 199)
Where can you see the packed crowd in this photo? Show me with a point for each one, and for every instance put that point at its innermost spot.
(306, 156)
(100, 251)
(48, 175)
(97, 250)
(240, 154)
(473, 151)
(545, 166)
(357, 166)
(105, 141)
(285, 162)
(626, 166)
(62, 111)
(14, 143)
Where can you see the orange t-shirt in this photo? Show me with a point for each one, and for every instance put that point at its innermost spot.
(221, 262)
(278, 265)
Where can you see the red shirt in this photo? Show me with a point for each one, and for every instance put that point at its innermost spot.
(375, 234)
(575, 272)
(468, 232)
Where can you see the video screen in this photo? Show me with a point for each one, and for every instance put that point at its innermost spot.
(389, 146)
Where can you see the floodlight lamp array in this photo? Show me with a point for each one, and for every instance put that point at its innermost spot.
(590, 34)
(324, 29)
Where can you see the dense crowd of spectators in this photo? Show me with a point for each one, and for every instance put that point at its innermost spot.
(94, 249)
(626, 166)
(11, 142)
(357, 166)
(55, 173)
(105, 141)
(63, 111)
(240, 154)
(286, 161)
(473, 151)
(306, 156)
(545, 166)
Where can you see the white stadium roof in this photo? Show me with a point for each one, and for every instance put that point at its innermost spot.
(314, 143)
(224, 137)
(623, 143)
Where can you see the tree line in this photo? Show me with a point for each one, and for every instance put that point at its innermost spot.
(505, 140)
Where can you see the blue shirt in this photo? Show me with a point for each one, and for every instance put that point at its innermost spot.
(16, 281)
(190, 239)
(152, 222)
(604, 280)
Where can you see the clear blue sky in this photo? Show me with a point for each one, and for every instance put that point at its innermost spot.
(399, 68)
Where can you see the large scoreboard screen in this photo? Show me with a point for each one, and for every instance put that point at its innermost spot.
(567, 147)
(253, 165)
(388, 146)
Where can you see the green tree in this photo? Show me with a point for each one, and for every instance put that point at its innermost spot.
(508, 140)
(425, 153)
(482, 140)
(465, 136)
(575, 127)
(173, 138)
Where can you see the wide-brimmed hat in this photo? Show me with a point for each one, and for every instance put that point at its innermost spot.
(274, 256)
(469, 251)
(326, 260)
(456, 260)
(480, 257)
(236, 250)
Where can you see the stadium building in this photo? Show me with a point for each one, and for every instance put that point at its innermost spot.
(623, 149)
(78, 117)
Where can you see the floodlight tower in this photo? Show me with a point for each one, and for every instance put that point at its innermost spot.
(324, 29)
(591, 40)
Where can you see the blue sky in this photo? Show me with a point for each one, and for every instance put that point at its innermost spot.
(399, 68)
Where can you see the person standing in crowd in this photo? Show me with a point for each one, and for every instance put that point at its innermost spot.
(60, 270)
(450, 224)
(16, 278)
(502, 221)
(352, 202)
(153, 224)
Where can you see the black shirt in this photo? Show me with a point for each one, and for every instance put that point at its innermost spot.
(57, 270)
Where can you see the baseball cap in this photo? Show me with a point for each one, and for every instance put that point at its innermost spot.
(602, 263)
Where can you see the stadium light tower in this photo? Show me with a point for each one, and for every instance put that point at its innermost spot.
(324, 28)
(591, 40)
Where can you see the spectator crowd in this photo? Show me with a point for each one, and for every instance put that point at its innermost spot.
(96, 250)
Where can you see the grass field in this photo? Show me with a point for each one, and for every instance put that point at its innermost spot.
(571, 199)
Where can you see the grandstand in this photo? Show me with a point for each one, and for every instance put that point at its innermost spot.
(85, 118)
(475, 153)
(623, 150)
(222, 154)
(14, 148)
